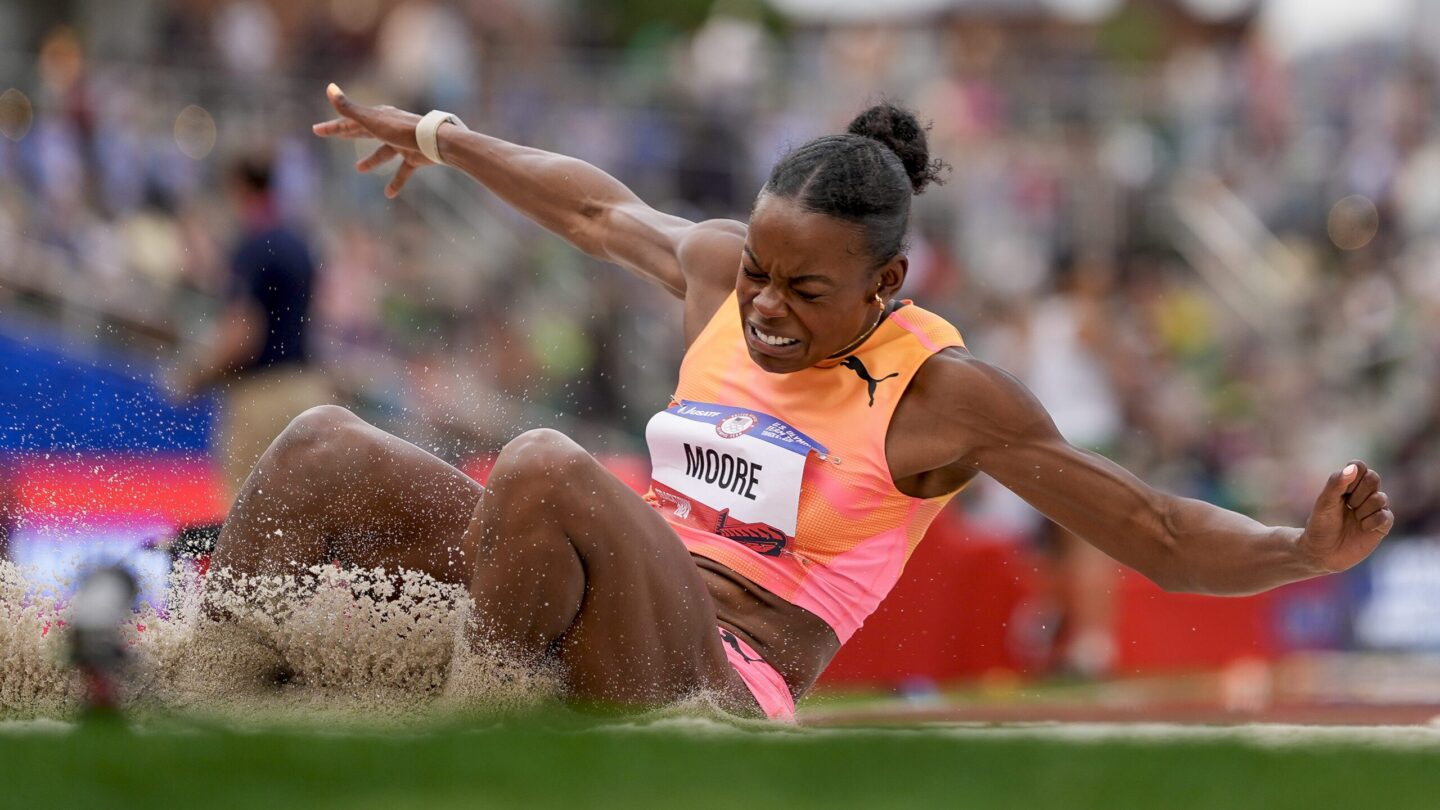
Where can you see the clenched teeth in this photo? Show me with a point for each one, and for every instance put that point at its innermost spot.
(771, 339)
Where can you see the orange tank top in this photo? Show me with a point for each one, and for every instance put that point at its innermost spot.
(782, 477)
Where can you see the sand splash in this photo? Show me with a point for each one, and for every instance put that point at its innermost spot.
(363, 644)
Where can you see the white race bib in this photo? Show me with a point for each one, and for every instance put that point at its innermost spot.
(733, 472)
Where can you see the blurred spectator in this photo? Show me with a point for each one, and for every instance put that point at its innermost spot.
(260, 356)
(247, 37)
(1069, 344)
(427, 56)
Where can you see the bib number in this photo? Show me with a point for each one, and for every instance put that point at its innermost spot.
(733, 472)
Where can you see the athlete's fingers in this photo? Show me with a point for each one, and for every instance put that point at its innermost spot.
(1361, 468)
(1339, 482)
(379, 157)
(340, 128)
(1381, 521)
(398, 181)
(369, 120)
(342, 105)
(1366, 484)
(1371, 505)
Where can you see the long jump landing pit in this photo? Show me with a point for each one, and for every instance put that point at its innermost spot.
(332, 645)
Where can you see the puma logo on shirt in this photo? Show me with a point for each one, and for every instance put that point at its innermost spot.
(854, 364)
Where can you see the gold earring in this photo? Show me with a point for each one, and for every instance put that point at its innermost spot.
(877, 298)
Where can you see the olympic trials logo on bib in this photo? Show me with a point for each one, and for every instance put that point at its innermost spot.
(736, 426)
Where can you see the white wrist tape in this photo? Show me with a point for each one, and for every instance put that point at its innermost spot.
(428, 130)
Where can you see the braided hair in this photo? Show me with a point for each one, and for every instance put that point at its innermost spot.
(865, 176)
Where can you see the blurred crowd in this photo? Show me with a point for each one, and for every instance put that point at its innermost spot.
(1215, 264)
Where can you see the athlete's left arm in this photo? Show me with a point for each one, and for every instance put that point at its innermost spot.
(998, 427)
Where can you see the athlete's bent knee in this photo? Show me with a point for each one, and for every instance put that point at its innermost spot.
(317, 440)
(544, 453)
(322, 419)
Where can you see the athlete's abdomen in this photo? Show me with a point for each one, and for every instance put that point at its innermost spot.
(794, 641)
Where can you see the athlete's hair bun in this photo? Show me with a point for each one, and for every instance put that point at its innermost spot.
(901, 132)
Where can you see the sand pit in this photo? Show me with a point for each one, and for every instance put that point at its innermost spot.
(361, 644)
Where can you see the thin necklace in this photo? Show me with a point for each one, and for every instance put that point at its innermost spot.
(864, 337)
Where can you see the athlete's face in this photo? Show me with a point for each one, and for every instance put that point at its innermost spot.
(807, 284)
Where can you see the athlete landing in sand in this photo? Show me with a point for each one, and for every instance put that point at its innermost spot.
(789, 487)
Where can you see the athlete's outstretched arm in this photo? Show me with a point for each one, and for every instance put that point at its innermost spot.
(1180, 543)
(571, 198)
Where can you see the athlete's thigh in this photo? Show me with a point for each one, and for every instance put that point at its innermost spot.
(646, 630)
(356, 494)
(412, 510)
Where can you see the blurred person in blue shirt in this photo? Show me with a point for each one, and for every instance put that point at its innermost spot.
(259, 355)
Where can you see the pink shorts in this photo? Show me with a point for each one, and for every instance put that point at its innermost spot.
(769, 689)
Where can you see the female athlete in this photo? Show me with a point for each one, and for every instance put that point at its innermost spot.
(817, 427)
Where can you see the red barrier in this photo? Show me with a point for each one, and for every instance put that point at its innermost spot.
(951, 617)
(177, 489)
(1159, 630)
(948, 618)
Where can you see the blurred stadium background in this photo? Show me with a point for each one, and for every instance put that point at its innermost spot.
(1206, 232)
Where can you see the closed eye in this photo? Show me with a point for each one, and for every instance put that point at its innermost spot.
(760, 278)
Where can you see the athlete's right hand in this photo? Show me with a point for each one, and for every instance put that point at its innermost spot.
(1350, 518)
(395, 128)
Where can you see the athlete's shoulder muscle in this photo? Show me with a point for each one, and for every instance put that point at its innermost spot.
(709, 258)
(967, 406)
